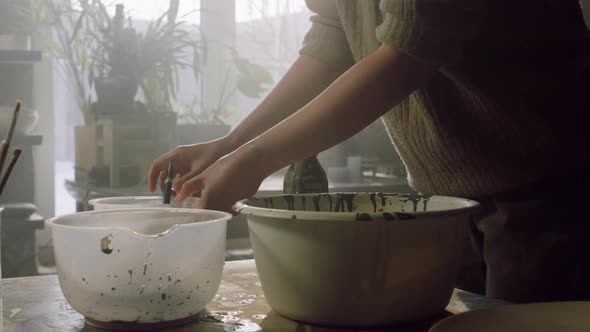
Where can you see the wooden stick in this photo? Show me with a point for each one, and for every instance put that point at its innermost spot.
(13, 124)
(5, 145)
(15, 154)
(3, 153)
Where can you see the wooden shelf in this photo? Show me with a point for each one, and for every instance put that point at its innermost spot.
(28, 140)
(19, 56)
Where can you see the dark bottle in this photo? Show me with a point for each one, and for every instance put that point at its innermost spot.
(306, 176)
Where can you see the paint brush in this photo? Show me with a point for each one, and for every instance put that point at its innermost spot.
(168, 184)
(15, 154)
(5, 145)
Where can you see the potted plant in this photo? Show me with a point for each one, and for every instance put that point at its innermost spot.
(109, 62)
(123, 75)
(199, 122)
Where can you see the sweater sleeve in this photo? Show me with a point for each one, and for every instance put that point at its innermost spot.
(326, 40)
(434, 31)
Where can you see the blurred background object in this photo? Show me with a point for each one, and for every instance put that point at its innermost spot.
(112, 85)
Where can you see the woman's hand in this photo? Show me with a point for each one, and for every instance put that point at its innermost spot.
(228, 180)
(187, 162)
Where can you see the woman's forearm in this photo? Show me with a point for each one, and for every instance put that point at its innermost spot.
(306, 78)
(352, 102)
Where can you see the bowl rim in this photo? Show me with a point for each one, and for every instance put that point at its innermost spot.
(242, 207)
(224, 217)
(105, 200)
(139, 199)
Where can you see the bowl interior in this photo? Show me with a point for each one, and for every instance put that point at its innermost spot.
(359, 203)
(142, 221)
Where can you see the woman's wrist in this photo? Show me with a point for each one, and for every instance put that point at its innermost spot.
(226, 145)
(254, 161)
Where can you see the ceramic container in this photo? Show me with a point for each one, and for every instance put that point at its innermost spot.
(139, 265)
(357, 259)
(138, 202)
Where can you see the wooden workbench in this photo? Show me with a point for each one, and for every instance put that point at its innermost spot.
(36, 304)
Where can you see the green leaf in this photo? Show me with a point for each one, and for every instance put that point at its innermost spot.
(250, 89)
(79, 22)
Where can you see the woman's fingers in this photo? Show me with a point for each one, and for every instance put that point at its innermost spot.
(209, 201)
(156, 168)
(189, 188)
(181, 180)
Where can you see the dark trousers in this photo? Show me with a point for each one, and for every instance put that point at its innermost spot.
(533, 244)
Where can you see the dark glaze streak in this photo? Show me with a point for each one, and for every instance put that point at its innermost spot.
(169, 278)
(268, 202)
(316, 202)
(177, 281)
(374, 202)
(105, 243)
(415, 199)
(330, 199)
(383, 199)
(290, 202)
(130, 276)
(425, 200)
(303, 202)
(342, 199)
(338, 204)
(144, 268)
(163, 296)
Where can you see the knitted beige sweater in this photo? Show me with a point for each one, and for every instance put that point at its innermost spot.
(507, 106)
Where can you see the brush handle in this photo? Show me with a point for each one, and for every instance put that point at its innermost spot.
(13, 123)
(13, 161)
(3, 154)
(168, 184)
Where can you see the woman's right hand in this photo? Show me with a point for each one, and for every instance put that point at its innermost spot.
(188, 161)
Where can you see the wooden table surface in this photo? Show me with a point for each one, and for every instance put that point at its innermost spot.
(36, 304)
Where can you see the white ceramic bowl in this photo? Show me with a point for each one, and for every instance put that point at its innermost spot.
(138, 202)
(357, 259)
(139, 265)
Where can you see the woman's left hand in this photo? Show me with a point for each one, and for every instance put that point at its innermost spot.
(232, 178)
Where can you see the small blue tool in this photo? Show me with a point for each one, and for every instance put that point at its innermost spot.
(168, 184)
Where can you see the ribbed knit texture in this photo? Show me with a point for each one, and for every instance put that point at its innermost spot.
(508, 104)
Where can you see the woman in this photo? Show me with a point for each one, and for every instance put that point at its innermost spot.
(482, 99)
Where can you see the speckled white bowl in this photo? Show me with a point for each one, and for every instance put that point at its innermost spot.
(138, 202)
(357, 259)
(139, 265)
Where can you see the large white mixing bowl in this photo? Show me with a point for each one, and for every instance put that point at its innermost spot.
(357, 259)
(139, 265)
